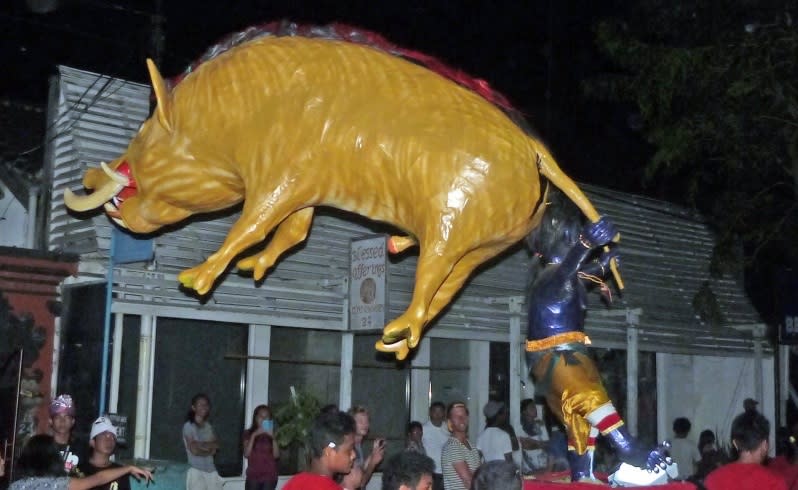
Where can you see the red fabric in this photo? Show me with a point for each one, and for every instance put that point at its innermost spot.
(261, 465)
(311, 481)
(358, 36)
(536, 485)
(786, 470)
(609, 421)
(744, 476)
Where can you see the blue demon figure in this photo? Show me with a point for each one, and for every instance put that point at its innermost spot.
(555, 347)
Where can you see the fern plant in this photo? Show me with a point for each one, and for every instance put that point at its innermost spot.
(294, 418)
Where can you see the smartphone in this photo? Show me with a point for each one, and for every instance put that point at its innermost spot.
(268, 425)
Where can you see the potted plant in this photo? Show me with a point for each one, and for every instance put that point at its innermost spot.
(294, 418)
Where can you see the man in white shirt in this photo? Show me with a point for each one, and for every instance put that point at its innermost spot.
(494, 442)
(435, 436)
(684, 451)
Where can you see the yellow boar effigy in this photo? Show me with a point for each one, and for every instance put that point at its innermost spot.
(288, 123)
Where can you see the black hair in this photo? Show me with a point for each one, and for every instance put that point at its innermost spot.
(194, 399)
(681, 426)
(254, 426)
(526, 402)
(327, 428)
(40, 457)
(330, 408)
(438, 404)
(406, 468)
(706, 437)
(497, 475)
(748, 430)
(415, 424)
(559, 229)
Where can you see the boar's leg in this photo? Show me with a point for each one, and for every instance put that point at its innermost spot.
(399, 243)
(432, 270)
(290, 232)
(455, 281)
(257, 220)
(442, 296)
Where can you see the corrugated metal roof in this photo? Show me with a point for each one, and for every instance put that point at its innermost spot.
(665, 253)
(94, 118)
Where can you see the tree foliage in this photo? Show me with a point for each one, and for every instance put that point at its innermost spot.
(715, 84)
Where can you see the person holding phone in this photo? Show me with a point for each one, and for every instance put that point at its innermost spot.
(367, 464)
(261, 451)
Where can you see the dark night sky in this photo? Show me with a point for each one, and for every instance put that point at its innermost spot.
(503, 41)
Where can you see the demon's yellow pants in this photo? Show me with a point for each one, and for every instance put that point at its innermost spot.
(573, 388)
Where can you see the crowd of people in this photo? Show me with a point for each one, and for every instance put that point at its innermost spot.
(438, 454)
(744, 464)
(59, 461)
(333, 444)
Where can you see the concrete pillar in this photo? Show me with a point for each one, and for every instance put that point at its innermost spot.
(347, 354)
(141, 447)
(420, 382)
(632, 367)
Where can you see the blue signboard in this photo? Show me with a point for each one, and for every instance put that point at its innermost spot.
(126, 248)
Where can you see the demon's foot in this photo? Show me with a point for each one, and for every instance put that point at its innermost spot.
(201, 277)
(399, 348)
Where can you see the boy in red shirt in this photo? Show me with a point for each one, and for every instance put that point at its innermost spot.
(332, 443)
(750, 432)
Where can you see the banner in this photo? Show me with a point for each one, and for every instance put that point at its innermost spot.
(368, 282)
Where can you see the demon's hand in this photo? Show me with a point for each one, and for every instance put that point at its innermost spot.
(600, 267)
(658, 458)
(630, 451)
(605, 258)
(599, 233)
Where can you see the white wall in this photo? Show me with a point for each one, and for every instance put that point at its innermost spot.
(13, 220)
(710, 392)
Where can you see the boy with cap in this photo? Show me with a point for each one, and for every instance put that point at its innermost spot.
(494, 442)
(62, 420)
(102, 440)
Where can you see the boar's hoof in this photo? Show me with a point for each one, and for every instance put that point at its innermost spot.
(197, 278)
(399, 348)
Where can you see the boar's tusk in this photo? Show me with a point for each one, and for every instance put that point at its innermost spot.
(117, 177)
(93, 200)
(119, 222)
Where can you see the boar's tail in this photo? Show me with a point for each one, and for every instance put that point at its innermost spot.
(548, 168)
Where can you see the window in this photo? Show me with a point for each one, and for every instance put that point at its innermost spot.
(612, 367)
(381, 385)
(309, 361)
(449, 370)
(80, 363)
(193, 356)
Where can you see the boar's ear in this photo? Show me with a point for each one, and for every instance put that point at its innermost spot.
(162, 96)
